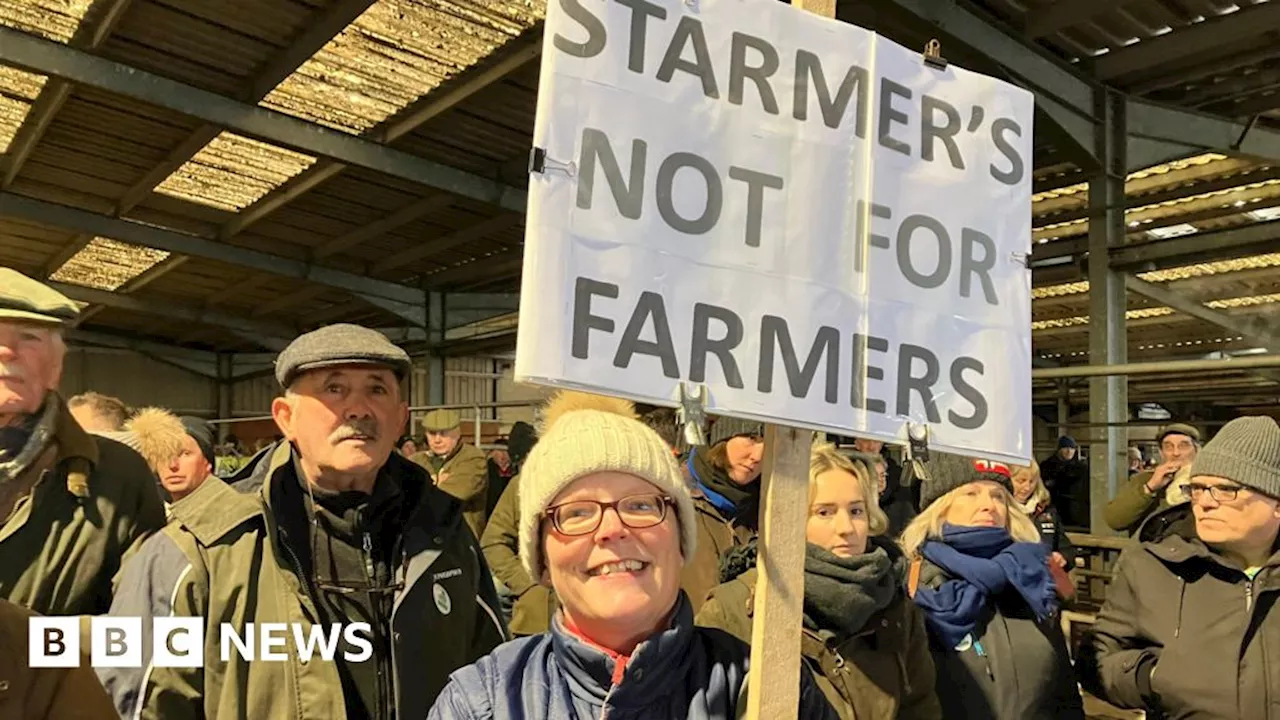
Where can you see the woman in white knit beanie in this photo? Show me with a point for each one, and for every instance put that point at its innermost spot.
(606, 519)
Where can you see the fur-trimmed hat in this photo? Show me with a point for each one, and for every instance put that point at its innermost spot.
(583, 434)
(159, 435)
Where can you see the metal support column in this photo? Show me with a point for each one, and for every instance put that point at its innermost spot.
(225, 392)
(435, 338)
(1064, 403)
(1108, 345)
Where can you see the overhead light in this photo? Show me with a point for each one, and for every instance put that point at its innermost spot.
(1173, 231)
(1263, 214)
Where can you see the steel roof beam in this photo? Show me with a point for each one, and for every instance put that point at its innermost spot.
(1156, 133)
(1253, 239)
(74, 219)
(54, 94)
(50, 58)
(316, 35)
(1062, 15)
(430, 106)
(272, 336)
(1253, 329)
(93, 338)
(1212, 35)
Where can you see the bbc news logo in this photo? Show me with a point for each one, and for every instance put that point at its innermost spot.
(118, 642)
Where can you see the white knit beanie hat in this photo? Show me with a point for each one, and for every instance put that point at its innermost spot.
(584, 434)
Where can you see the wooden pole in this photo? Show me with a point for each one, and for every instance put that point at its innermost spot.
(773, 689)
(773, 692)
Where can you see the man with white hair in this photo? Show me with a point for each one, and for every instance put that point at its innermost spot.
(72, 505)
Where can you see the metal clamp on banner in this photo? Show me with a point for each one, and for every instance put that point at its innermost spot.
(692, 414)
(918, 441)
(933, 55)
(541, 163)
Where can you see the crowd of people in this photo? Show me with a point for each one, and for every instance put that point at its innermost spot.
(597, 566)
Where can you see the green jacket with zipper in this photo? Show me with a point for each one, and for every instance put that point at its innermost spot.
(86, 502)
(224, 558)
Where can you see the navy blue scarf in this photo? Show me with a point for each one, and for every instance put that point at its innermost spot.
(983, 562)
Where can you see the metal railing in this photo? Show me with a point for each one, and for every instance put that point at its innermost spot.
(416, 411)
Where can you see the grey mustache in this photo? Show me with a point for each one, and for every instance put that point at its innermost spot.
(367, 428)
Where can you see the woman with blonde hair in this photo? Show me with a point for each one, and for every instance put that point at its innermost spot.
(1032, 497)
(863, 638)
(982, 578)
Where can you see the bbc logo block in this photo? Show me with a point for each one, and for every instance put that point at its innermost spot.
(54, 642)
(116, 642)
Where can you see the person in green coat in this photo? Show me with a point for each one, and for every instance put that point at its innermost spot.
(329, 528)
(1148, 493)
(863, 638)
(455, 467)
(72, 505)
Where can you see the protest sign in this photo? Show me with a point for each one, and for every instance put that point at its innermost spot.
(794, 212)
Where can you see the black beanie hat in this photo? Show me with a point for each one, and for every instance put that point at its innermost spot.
(202, 433)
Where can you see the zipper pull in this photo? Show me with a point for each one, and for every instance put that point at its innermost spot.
(368, 556)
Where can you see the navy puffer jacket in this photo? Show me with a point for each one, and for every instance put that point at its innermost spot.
(683, 672)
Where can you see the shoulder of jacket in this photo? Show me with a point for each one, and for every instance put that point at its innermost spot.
(470, 455)
(737, 596)
(215, 510)
(120, 466)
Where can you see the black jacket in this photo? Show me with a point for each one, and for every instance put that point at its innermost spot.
(1018, 670)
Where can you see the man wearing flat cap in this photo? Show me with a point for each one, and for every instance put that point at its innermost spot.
(72, 505)
(1150, 492)
(456, 467)
(328, 527)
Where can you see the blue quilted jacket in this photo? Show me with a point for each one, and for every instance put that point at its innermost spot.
(683, 672)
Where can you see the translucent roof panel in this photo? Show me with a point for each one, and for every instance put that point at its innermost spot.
(50, 19)
(1220, 267)
(392, 55)
(107, 264)
(18, 90)
(1223, 304)
(396, 52)
(232, 172)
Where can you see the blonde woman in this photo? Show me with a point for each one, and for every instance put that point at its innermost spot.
(982, 578)
(863, 638)
(1032, 497)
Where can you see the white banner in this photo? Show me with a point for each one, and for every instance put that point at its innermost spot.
(792, 211)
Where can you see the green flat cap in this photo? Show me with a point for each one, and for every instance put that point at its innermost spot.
(22, 298)
(441, 420)
(341, 344)
(1178, 429)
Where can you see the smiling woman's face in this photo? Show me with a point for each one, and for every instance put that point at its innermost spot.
(617, 584)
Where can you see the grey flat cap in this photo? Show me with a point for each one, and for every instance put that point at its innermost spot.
(341, 344)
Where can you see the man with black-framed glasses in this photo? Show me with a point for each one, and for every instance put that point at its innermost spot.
(329, 527)
(1191, 626)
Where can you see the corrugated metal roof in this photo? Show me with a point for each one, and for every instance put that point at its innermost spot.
(396, 52)
(106, 264)
(51, 19)
(232, 172)
(1152, 312)
(392, 55)
(1220, 267)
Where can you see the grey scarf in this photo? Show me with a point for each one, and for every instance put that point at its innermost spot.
(842, 594)
(14, 461)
